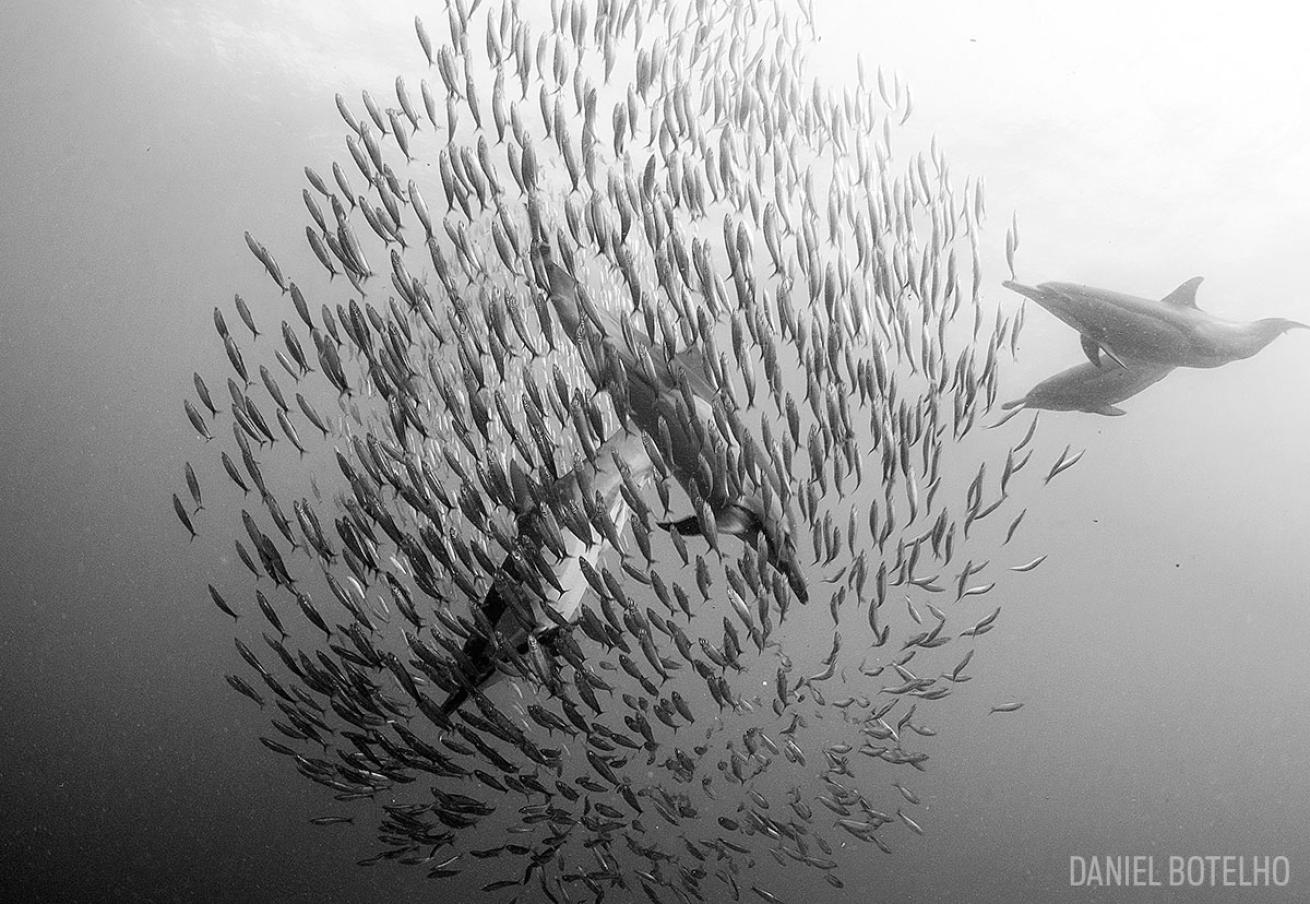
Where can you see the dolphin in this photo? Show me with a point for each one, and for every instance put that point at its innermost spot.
(1092, 388)
(1170, 331)
(654, 399)
(522, 603)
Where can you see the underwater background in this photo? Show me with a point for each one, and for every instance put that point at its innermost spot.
(1159, 651)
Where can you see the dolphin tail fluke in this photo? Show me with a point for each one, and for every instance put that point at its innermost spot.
(477, 652)
(484, 667)
(476, 672)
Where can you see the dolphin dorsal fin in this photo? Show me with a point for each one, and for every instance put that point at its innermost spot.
(1184, 295)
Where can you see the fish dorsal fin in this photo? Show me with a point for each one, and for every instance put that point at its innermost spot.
(1185, 295)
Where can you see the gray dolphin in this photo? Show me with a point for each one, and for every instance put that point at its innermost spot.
(523, 606)
(656, 394)
(1092, 388)
(1171, 331)
(522, 601)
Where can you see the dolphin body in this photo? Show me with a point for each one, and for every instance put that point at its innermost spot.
(1170, 331)
(656, 395)
(1091, 388)
(523, 604)
(524, 607)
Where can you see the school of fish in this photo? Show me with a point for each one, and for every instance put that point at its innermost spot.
(645, 504)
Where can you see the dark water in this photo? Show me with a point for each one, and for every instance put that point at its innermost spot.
(1158, 651)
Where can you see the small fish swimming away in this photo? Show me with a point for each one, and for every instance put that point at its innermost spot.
(646, 341)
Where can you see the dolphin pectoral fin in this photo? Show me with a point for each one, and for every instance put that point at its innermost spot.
(1185, 295)
(452, 703)
(1091, 350)
(1113, 357)
(1109, 411)
(688, 527)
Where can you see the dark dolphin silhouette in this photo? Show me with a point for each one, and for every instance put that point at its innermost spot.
(523, 606)
(656, 403)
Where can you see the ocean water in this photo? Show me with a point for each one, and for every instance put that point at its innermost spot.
(1157, 650)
